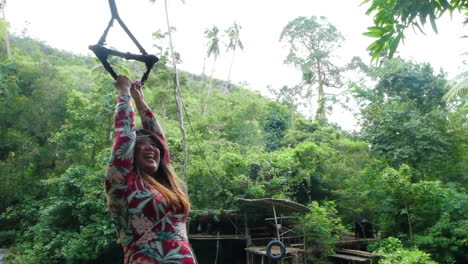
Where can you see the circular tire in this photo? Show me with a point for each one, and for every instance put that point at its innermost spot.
(280, 245)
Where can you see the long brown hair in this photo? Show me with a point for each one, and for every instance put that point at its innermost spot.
(164, 180)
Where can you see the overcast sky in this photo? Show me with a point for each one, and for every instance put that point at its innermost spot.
(73, 25)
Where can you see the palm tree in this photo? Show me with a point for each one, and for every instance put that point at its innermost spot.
(234, 43)
(177, 96)
(213, 49)
(458, 88)
(7, 40)
(213, 43)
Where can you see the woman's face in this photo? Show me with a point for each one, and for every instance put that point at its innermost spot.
(147, 155)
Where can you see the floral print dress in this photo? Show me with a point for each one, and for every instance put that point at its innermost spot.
(147, 229)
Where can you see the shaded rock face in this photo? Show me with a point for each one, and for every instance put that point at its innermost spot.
(363, 229)
(3, 254)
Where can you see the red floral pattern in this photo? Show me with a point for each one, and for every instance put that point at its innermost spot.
(148, 230)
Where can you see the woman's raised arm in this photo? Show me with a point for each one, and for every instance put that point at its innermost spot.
(148, 119)
(121, 161)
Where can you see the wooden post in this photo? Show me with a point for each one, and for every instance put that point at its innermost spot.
(305, 248)
(277, 229)
(217, 250)
(276, 222)
(247, 235)
(281, 223)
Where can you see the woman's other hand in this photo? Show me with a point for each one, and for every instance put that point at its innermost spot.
(136, 92)
(122, 84)
(137, 95)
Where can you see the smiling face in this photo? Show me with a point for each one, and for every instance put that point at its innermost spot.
(147, 154)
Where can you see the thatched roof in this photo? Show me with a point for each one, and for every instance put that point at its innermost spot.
(266, 204)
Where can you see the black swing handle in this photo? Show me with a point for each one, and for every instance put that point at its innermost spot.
(103, 53)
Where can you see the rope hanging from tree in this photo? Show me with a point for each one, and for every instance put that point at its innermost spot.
(103, 53)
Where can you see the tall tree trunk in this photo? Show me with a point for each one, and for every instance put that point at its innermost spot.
(321, 103)
(210, 87)
(177, 98)
(321, 95)
(409, 221)
(7, 39)
(202, 92)
(293, 119)
(228, 82)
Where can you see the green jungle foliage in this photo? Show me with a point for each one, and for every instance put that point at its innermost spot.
(405, 171)
(393, 17)
(325, 229)
(395, 253)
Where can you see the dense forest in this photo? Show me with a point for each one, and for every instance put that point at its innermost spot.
(405, 170)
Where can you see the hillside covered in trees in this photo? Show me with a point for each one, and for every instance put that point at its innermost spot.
(405, 170)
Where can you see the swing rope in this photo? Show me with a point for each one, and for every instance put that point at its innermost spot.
(200, 149)
(103, 53)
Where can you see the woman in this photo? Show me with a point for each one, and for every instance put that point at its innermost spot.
(147, 204)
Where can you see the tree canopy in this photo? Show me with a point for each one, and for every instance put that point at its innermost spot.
(312, 42)
(393, 17)
(405, 170)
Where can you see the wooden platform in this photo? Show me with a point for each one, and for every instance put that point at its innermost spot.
(257, 255)
(359, 253)
(356, 240)
(216, 237)
(274, 250)
(351, 256)
(350, 259)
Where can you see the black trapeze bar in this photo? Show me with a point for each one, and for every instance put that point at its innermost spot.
(103, 53)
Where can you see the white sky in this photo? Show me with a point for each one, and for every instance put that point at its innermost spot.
(73, 25)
